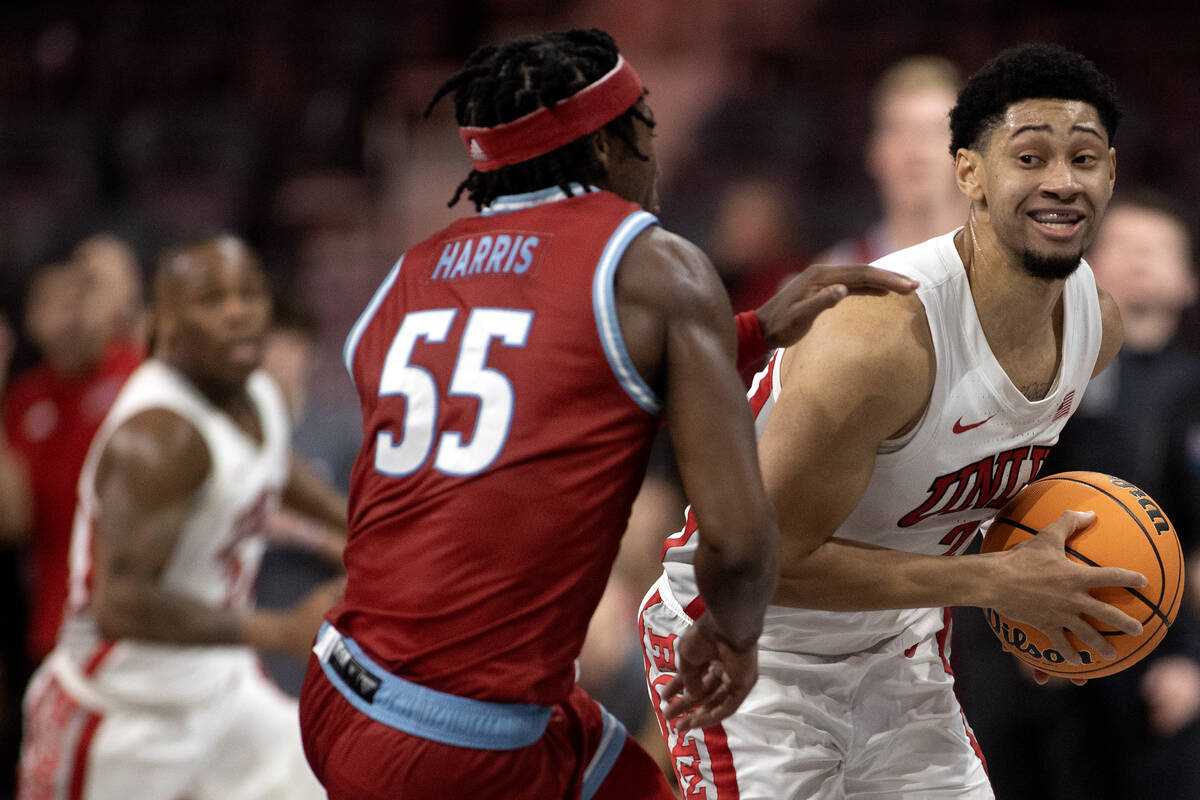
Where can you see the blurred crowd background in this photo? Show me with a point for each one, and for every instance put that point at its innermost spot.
(299, 126)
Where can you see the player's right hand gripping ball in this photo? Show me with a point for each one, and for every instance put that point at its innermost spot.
(1130, 531)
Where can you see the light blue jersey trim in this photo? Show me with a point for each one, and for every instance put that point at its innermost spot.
(605, 308)
(519, 202)
(612, 741)
(364, 319)
(425, 712)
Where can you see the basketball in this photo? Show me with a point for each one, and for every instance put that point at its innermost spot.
(1130, 531)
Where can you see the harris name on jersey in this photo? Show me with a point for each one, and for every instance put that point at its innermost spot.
(511, 253)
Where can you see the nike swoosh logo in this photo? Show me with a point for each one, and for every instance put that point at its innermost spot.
(960, 428)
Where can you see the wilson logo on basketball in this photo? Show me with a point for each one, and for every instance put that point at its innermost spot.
(1156, 516)
(1017, 640)
(1129, 531)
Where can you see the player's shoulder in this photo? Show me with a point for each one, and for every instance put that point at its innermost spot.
(158, 451)
(868, 346)
(873, 327)
(671, 270)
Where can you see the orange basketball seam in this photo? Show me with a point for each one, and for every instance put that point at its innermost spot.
(1153, 546)
(1154, 609)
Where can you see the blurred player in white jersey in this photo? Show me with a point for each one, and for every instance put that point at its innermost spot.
(154, 690)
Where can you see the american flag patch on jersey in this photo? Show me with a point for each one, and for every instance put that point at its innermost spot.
(1064, 407)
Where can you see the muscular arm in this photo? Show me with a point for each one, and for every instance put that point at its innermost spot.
(149, 477)
(846, 388)
(790, 312)
(677, 325)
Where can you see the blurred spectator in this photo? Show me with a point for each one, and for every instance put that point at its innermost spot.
(116, 285)
(53, 410)
(908, 159)
(754, 241)
(1138, 730)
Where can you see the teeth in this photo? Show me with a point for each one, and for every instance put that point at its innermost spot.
(1055, 218)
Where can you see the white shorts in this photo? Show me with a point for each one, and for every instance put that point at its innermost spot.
(244, 745)
(877, 724)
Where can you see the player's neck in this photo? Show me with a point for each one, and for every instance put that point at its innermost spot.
(222, 393)
(1011, 304)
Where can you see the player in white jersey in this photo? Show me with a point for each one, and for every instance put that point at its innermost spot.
(154, 690)
(888, 435)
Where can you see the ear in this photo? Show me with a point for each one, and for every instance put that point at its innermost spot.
(1112, 169)
(969, 173)
(604, 148)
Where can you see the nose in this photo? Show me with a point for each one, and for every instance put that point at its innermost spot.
(1060, 180)
(236, 309)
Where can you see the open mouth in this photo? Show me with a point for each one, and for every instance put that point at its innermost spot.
(244, 351)
(1061, 224)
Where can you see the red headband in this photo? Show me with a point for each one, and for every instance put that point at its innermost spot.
(549, 128)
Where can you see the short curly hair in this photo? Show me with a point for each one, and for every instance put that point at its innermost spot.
(1029, 71)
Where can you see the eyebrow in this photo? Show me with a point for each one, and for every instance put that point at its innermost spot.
(1047, 129)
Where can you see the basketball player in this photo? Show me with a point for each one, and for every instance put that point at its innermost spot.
(888, 435)
(513, 370)
(154, 690)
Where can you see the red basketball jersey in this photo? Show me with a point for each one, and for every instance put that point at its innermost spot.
(506, 434)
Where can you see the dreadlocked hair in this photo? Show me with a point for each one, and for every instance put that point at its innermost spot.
(501, 83)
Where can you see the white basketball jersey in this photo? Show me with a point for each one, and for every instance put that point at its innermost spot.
(215, 560)
(979, 441)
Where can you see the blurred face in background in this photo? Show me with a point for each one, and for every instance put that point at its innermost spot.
(68, 330)
(1142, 257)
(116, 284)
(214, 308)
(908, 155)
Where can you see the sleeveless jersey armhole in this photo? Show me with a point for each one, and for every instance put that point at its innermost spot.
(605, 308)
(364, 319)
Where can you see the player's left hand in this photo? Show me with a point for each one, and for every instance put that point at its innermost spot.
(713, 678)
(790, 313)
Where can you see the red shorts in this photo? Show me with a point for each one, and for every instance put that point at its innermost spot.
(359, 758)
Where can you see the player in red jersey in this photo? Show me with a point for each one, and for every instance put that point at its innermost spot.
(513, 370)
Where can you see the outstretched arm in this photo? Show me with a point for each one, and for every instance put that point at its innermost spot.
(788, 315)
(149, 476)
